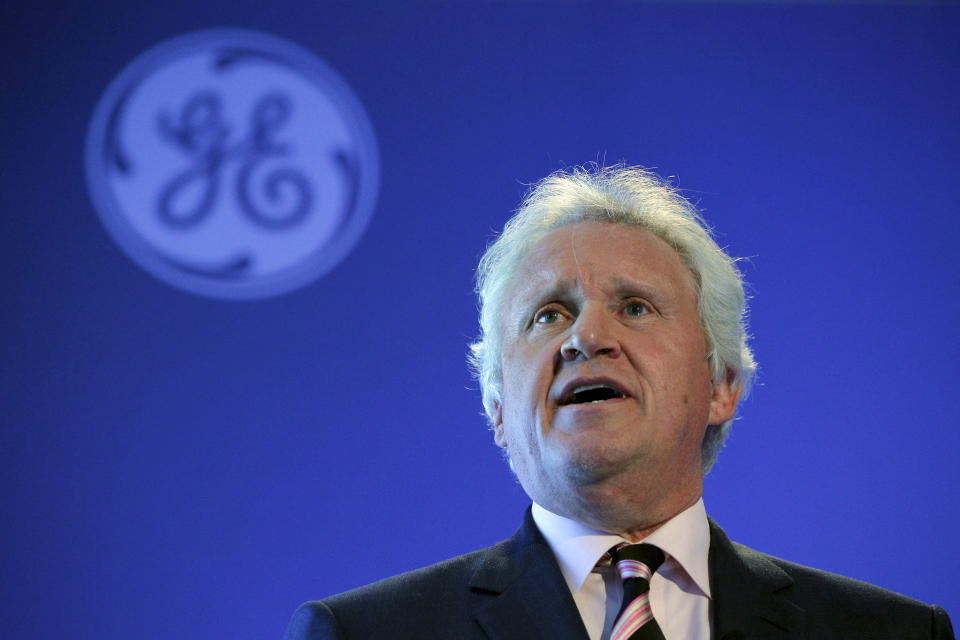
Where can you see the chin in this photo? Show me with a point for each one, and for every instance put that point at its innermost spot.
(586, 467)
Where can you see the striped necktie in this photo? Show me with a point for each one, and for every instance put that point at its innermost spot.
(636, 563)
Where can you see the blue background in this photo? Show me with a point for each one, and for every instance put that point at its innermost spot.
(181, 467)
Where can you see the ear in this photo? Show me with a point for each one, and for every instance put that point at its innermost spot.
(723, 403)
(497, 421)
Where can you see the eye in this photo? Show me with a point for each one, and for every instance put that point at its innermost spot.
(636, 309)
(548, 315)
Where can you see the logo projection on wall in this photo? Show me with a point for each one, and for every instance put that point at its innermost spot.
(232, 164)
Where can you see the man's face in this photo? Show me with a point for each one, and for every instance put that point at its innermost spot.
(607, 388)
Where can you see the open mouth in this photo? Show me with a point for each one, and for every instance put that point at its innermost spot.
(590, 394)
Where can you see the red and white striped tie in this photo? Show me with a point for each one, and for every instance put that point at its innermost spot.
(636, 563)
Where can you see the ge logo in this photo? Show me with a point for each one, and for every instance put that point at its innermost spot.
(232, 164)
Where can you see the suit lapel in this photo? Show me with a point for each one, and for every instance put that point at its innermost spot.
(530, 597)
(527, 597)
(750, 593)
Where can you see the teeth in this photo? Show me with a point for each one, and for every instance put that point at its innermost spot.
(588, 387)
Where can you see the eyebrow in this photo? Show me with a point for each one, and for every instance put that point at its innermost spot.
(561, 289)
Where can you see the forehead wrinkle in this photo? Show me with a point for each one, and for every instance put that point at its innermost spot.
(544, 286)
(576, 260)
(545, 281)
(547, 284)
(646, 281)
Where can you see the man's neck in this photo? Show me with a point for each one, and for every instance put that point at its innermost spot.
(629, 514)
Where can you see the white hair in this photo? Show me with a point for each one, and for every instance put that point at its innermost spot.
(629, 196)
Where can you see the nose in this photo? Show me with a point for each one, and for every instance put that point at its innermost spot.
(592, 334)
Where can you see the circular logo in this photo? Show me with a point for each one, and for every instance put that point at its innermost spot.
(232, 164)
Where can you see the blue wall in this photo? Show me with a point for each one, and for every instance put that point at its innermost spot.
(175, 466)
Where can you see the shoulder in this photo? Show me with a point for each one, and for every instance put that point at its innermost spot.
(401, 606)
(839, 602)
(451, 599)
(819, 586)
(832, 605)
(445, 578)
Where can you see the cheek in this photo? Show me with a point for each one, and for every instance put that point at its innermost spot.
(676, 368)
(525, 389)
(523, 373)
(686, 353)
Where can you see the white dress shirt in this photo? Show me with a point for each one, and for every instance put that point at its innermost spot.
(679, 591)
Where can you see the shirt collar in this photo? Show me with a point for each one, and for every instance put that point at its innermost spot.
(684, 538)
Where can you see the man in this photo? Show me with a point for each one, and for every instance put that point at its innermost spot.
(612, 356)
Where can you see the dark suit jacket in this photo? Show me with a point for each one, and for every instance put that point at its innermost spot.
(514, 590)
